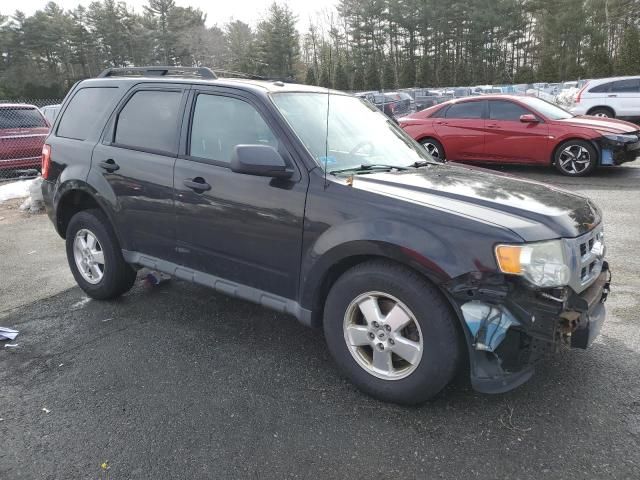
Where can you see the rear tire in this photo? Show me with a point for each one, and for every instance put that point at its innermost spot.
(415, 349)
(434, 148)
(95, 257)
(603, 112)
(575, 158)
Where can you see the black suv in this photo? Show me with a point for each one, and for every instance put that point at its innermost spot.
(313, 203)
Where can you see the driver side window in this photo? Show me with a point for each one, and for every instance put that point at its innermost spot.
(220, 123)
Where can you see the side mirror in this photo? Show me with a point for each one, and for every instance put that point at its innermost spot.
(259, 160)
(529, 118)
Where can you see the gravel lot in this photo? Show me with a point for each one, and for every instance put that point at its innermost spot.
(178, 382)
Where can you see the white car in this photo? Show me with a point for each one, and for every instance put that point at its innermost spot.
(615, 97)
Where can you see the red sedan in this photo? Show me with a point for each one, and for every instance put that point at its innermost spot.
(522, 130)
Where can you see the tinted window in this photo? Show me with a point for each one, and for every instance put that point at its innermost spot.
(21, 118)
(149, 121)
(626, 86)
(605, 87)
(502, 110)
(84, 113)
(466, 110)
(221, 123)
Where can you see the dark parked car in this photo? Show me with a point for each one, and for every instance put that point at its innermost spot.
(392, 104)
(412, 267)
(22, 132)
(503, 129)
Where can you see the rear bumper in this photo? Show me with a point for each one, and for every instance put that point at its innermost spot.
(511, 327)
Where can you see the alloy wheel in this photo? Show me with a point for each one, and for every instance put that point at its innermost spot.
(432, 149)
(574, 159)
(89, 256)
(383, 336)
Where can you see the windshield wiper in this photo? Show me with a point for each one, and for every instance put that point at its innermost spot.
(424, 163)
(365, 167)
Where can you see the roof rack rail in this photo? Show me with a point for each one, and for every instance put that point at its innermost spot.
(234, 74)
(159, 71)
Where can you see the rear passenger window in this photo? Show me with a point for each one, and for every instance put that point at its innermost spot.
(85, 112)
(220, 123)
(465, 110)
(149, 121)
(605, 87)
(503, 110)
(626, 86)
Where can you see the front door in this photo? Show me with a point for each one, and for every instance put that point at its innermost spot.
(509, 140)
(243, 228)
(134, 163)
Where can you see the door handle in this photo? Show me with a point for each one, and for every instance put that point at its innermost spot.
(492, 125)
(109, 165)
(613, 95)
(442, 123)
(198, 184)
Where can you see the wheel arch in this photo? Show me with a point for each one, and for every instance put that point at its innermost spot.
(603, 107)
(322, 277)
(74, 197)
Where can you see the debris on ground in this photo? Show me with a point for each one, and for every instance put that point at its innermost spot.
(46, 410)
(8, 333)
(11, 345)
(506, 419)
(153, 278)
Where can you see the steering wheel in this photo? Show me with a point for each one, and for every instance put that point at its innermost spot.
(361, 145)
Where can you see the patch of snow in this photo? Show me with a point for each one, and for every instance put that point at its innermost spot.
(567, 97)
(18, 189)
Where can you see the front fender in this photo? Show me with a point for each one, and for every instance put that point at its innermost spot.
(424, 250)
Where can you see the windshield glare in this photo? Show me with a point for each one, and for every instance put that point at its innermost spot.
(358, 134)
(549, 110)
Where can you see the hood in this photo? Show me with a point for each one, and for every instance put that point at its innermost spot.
(532, 210)
(605, 125)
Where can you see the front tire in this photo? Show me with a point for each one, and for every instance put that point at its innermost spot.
(391, 332)
(95, 257)
(575, 158)
(602, 112)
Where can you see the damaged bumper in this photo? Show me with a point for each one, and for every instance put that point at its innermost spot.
(615, 150)
(510, 325)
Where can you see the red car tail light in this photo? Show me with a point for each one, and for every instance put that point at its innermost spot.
(580, 92)
(46, 160)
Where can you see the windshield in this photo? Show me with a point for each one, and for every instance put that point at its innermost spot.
(358, 134)
(549, 110)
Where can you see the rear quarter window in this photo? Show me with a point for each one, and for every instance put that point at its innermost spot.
(21, 117)
(466, 110)
(86, 112)
(605, 87)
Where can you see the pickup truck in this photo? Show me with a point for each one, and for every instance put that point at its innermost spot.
(313, 203)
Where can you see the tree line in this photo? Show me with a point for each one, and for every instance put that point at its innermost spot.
(358, 45)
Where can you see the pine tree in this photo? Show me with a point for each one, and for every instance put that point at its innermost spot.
(358, 80)
(372, 78)
(628, 61)
(389, 76)
(310, 79)
(341, 80)
(325, 77)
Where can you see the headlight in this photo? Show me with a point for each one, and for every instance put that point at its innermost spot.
(543, 264)
(621, 138)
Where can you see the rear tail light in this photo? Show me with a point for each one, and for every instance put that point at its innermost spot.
(46, 160)
(580, 92)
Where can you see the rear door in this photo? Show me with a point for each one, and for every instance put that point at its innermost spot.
(135, 162)
(461, 130)
(624, 97)
(509, 140)
(242, 228)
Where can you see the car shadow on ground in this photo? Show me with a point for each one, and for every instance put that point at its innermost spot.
(236, 389)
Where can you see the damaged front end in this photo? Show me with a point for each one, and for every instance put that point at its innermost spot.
(616, 149)
(511, 324)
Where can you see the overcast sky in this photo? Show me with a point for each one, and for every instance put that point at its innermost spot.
(218, 11)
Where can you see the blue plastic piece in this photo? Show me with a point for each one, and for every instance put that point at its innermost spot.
(606, 157)
(488, 324)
